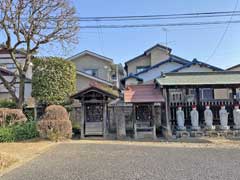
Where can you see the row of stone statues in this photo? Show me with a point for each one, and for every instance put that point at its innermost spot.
(208, 117)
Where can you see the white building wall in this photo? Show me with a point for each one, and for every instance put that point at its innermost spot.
(156, 72)
(196, 68)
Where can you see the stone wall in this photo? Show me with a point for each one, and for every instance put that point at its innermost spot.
(116, 113)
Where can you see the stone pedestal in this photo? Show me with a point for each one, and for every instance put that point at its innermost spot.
(225, 133)
(211, 133)
(196, 134)
(182, 134)
(236, 133)
(209, 128)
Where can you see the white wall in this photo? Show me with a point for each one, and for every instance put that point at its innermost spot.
(196, 68)
(156, 72)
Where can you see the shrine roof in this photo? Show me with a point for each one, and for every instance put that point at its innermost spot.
(215, 79)
(106, 91)
(144, 93)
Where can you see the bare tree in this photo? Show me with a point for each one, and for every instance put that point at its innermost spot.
(30, 24)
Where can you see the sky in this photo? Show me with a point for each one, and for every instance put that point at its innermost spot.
(187, 42)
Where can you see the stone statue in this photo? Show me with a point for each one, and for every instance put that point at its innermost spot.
(208, 117)
(194, 118)
(180, 119)
(236, 117)
(223, 118)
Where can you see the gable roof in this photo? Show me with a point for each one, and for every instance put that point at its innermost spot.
(194, 62)
(86, 52)
(94, 88)
(131, 76)
(94, 78)
(233, 67)
(172, 58)
(148, 50)
(218, 78)
(142, 93)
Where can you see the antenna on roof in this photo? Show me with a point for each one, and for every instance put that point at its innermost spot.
(166, 36)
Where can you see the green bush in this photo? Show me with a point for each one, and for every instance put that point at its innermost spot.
(25, 131)
(19, 132)
(6, 135)
(7, 104)
(53, 81)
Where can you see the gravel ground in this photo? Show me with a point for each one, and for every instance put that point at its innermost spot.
(89, 161)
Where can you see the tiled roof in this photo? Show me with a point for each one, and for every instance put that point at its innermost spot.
(110, 92)
(223, 78)
(194, 62)
(171, 59)
(144, 93)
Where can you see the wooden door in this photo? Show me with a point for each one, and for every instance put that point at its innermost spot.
(144, 115)
(94, 119)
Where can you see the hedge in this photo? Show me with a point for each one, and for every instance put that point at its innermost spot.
(53, 81)
(19, 132)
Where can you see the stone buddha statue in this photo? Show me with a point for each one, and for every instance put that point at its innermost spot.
(180, 119)
(236, 117)
(223, 114)
(194, 118)
(208, 117)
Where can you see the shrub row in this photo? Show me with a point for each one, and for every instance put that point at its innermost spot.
(19, 132)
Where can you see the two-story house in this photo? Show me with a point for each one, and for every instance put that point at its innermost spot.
(158, 60)
(95, 68)
(8, 69)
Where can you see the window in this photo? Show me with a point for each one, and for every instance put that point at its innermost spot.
(114, 77)
(206, 94)
(11, 66)
(141, 68)
(92, 72)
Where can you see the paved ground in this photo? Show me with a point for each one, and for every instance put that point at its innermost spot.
(72, 161)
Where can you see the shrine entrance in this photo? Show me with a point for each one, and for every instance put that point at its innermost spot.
(94, 107)
(94, 119)
(144, 115)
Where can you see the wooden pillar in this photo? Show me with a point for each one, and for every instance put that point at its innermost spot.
(105, 128)
(82, 119)
(134, 121)
(154, 122)
(197, 96)
(234, 93)
(167, 113)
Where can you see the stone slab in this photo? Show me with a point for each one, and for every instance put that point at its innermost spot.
(182, 134)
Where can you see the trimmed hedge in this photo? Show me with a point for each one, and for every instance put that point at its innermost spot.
(53, 81)
(8, 104)
(19, 132)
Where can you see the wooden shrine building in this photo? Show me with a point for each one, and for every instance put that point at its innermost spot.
(146, 100)
(94, 110)
(196, 81)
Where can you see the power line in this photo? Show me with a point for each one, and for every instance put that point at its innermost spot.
(158, 25)
(224, 33)
(159, 15)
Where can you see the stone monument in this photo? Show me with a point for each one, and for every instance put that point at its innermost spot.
(208, 117)
(223, 114)
(180, 119)
(236, 117)
(194, 118)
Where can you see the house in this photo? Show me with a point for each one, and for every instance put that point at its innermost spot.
(95, 68)
(235, 68)
(8, 69)
(158, 60)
